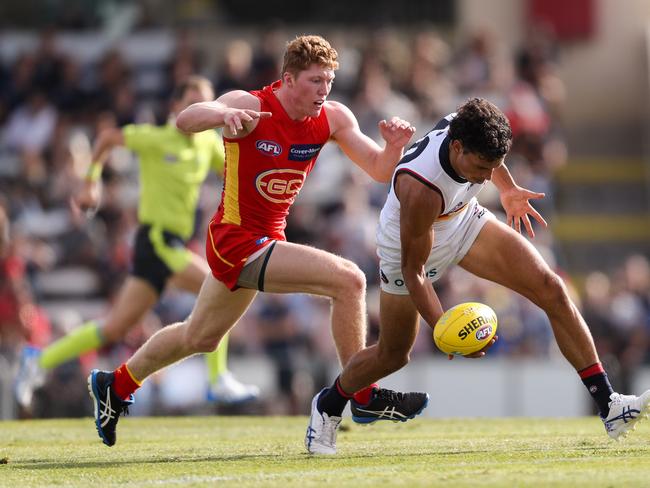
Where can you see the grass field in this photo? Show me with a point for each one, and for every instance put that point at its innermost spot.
(268, 451)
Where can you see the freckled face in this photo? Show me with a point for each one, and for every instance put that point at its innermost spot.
(309, 90)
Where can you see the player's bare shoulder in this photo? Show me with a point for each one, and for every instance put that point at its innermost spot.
(339, 116)
(240, 99)
(245, 122)
(416, 195)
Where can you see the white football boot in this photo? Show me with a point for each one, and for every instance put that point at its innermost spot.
(321, 431)
(625, 411)
(228, 390)
(30, 376)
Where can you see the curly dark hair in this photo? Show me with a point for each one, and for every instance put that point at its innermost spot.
(482, 129)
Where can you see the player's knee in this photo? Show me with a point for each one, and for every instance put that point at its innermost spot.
(353, 281)
(398, 361)
(201, 344)
(393, 360)
(553, 293)
(198, 342)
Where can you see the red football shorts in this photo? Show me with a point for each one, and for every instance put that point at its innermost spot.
(228, 247)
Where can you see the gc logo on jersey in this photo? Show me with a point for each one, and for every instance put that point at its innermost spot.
(268, 148)
(280, 185)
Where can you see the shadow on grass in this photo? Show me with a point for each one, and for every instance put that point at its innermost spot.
(111, 463)
(37, 464)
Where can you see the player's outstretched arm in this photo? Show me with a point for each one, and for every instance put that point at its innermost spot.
(378, 162)
(89, 195)
(236, 111)
(516, 201)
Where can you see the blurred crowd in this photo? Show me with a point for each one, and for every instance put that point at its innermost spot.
(59, 267)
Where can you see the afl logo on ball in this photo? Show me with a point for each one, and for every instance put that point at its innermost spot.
(483, 332)
(269, 148)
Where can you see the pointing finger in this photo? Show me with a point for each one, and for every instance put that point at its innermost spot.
(257, 115)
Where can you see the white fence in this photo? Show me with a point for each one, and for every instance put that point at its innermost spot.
(458, 388)
(480, 388)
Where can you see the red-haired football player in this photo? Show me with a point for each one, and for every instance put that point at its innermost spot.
(272, 138)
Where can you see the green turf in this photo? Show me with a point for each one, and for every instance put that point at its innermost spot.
(268, 451)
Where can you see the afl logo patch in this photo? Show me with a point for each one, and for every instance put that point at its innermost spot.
(483, 332)
(280, 185)
(268, 148)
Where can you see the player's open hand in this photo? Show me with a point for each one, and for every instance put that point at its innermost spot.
(236, 118)
(396, 132)
(516, 203)
(478, 354)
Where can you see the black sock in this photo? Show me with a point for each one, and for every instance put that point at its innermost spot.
(599, 388)
(333, 400)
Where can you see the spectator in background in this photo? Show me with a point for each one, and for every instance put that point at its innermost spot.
(535, 102)
(481, 65)
(351, 231)
(285, 343)
(236, 69)
(21, 319)
(376, 98)
(186, 60)
(19, 83)
(429, 84)
(265, 64)
(29, 132)
(630, 314)
(49, 62)
(110, 75)
(70, 97)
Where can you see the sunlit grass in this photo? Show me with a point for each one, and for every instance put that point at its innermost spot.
(269, 451)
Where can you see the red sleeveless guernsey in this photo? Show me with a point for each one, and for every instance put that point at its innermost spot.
(264, 171)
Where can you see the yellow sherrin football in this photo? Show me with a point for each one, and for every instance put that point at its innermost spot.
(465, 328)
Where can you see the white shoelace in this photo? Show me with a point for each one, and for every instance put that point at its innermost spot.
(330, 424)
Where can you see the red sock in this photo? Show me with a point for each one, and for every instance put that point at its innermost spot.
(362, 397)
(340, 390)
(591, 370)
(597, 383)
(125, 383)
